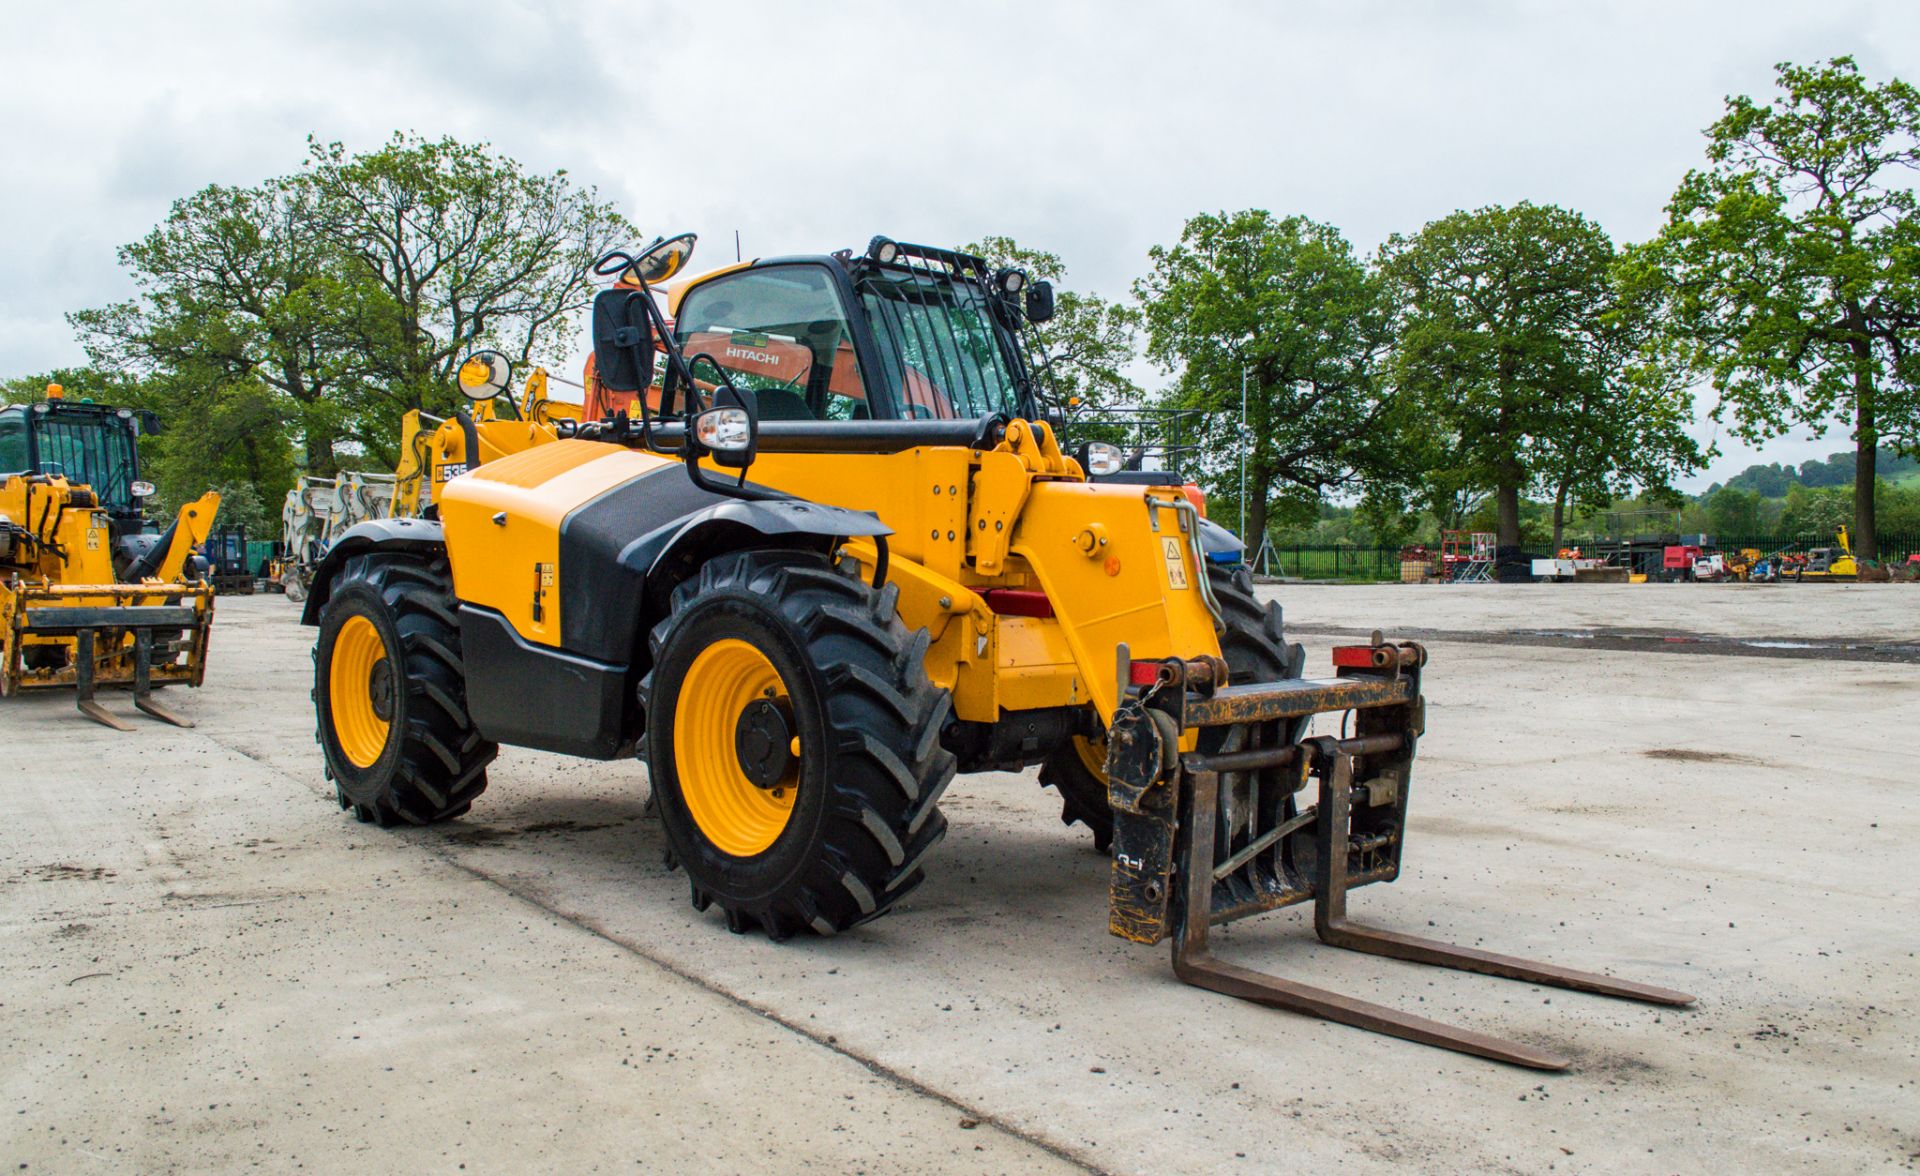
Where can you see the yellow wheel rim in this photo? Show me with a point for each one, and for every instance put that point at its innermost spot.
(360, 690)
(1093, 753)
(739, 818)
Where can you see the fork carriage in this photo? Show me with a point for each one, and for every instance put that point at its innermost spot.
(1216, 832)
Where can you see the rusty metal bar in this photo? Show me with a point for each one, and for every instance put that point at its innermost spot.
(1253, 848)
(1292, 698)
(1240, 761)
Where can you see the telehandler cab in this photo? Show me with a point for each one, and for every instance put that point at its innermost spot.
(93, 593)
(808, 597)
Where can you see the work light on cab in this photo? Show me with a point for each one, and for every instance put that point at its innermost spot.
(1103, 459)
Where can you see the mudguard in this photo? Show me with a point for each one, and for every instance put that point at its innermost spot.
(383, 534)
(613, 588)
(579, 698)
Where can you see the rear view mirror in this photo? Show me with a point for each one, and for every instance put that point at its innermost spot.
(622, 340)
(484, 375)
(1039, 302)
(662, 260)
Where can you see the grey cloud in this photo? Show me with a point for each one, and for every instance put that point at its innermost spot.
(1091, 129)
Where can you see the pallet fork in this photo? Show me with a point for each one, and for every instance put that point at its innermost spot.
(119, 637)
(1215, 834)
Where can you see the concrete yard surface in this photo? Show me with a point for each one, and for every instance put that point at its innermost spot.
(211, 967)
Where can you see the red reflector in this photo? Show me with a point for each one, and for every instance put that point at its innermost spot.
(1018, 602)
(1356, 657)
(1143, 673)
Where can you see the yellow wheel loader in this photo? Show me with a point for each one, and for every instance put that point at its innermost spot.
(93, 594)
(810, 597)
(433, 449)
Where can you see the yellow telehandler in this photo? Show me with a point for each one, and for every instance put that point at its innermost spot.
(94, 594)
(839, 557)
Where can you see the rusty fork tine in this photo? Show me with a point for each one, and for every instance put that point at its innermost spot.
(1375, 941)
(1330, 919)
(1203, 971)
(1194, 963)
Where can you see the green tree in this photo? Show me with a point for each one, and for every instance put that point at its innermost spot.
(1790, 265)
(1523, 360)
(1732, 511)
(1283, 304)
(236, 288)
(450, 247)
(1814, 516)
(344, 295)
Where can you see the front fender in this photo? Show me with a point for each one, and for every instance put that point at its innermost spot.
(707, 531)
(416, 535)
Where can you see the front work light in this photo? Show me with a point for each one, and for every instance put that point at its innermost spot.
(1011, 281)
(884, 250)
(724, 430)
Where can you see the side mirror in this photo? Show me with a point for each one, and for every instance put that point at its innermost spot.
(623, 341)
(1040, 302)
(661, 260)
(484, 375)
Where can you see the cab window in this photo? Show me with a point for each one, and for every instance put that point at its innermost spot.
(13, 442)
(782, 332)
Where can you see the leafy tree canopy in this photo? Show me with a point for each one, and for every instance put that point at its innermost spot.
(324, 304)
(1283, 303)
(1789, 266)
(1527, 369)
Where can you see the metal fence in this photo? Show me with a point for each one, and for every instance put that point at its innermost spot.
(1345, 561)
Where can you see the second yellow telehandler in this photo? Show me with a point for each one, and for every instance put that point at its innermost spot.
(93, 593)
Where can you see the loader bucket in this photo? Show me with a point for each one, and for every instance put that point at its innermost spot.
(1218, 833)
(88, 636)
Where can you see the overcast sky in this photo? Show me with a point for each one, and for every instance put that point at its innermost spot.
(1090, 129)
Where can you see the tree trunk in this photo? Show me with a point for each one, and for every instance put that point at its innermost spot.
(1866, 445)
(320, 459)
(1507, 506)
(1559, 515)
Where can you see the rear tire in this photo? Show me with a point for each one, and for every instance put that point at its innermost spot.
(390, 691)
(1256, 650)
(834, 835)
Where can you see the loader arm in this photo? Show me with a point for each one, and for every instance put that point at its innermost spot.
(190, 530)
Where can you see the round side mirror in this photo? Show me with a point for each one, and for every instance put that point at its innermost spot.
(484, 375)
(662, 260)
(141, 489)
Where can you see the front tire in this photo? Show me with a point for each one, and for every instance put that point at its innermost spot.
(390, 691)
(793, 742)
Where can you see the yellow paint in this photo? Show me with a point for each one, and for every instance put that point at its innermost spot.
(678, 290)
(1113, 559)
(738, 817)
(499, 566)
(357, 651)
